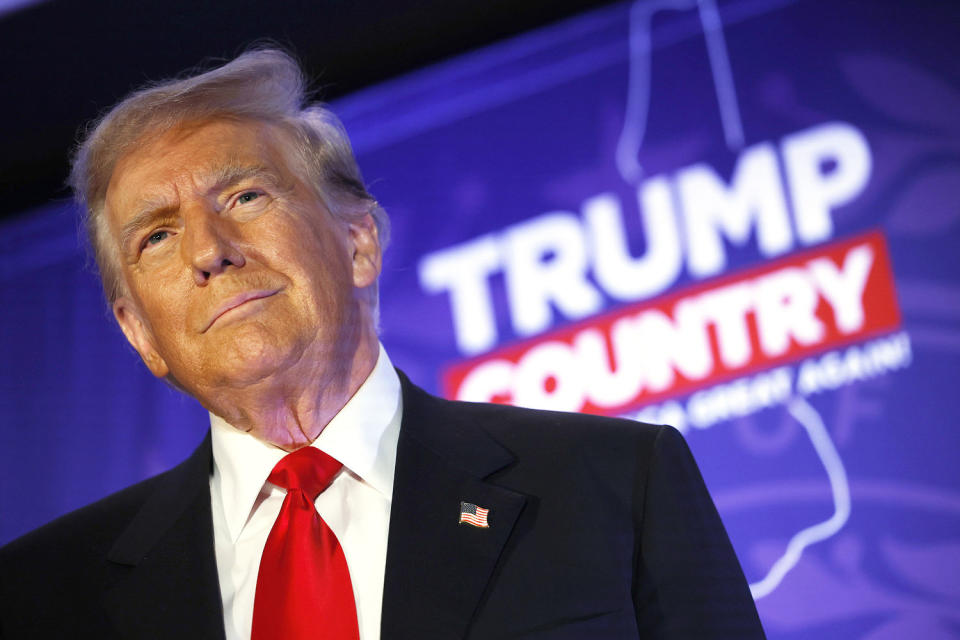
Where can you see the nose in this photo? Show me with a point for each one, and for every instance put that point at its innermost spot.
(209, 245)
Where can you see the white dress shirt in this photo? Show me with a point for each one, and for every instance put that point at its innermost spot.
(356, 505)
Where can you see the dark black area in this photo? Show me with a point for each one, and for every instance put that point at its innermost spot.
(63, 62)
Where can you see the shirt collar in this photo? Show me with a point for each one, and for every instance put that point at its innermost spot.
(363, 436)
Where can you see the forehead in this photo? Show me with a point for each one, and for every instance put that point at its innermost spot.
(194, 156)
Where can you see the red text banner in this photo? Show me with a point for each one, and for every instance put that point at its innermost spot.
(777, 312)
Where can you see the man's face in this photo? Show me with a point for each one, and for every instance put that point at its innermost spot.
(234, 270)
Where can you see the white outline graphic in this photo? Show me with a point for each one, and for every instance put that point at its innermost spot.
(638, 85)
(804, 413)
(722, 75)
(628, 164)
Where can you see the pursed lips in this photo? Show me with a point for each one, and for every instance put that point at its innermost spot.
(236, 301)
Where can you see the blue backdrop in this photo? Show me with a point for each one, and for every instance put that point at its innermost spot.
(736, 217)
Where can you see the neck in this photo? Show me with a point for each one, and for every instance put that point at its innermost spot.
(290, 409)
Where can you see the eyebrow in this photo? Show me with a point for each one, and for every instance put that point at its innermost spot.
(153, 208)
(150, 210)
(231, 174)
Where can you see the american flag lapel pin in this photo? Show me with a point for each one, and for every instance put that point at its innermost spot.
(473, 515)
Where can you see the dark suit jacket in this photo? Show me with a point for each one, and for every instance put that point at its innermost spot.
(599, 528)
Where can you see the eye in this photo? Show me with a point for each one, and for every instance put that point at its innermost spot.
(248, 196)
(157, 237)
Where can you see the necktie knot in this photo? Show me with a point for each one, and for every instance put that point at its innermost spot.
(307, 469)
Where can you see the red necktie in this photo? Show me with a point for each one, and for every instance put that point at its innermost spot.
(303, 587)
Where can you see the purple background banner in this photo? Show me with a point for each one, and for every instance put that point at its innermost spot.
(842, 497)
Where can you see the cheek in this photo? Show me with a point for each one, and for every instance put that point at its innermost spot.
(315, 250)
(158, 259)
(157, 271)
(167, 306)
(330, 298)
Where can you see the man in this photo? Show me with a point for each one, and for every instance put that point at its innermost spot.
(240, 252)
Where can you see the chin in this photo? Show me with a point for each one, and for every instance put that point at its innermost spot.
(248, 359)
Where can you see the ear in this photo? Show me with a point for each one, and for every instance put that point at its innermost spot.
(139, 335)
(366, 257)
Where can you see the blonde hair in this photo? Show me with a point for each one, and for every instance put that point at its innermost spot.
(265, 85)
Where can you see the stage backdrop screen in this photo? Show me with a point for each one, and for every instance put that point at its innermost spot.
(740, 218)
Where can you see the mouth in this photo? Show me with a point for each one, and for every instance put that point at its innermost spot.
(237, 304)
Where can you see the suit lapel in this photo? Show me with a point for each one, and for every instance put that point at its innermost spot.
(437, 569)
(171, 586)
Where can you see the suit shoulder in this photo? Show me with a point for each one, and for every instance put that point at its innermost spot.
(509, 422)
(94, 526)
(91, 530)
(573, 428)
(585, 446)
(66, 561)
